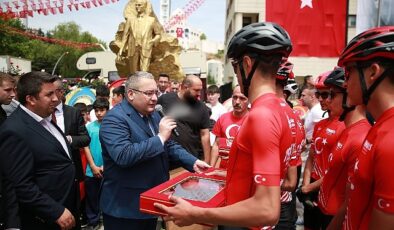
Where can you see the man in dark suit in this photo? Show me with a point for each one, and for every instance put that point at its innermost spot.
(136, 153)
(36, 158)
(72, 124)
(8, 204)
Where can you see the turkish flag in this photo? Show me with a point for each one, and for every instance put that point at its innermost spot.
(317, 28)
(179, 32)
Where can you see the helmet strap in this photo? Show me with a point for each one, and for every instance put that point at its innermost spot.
(246, 80)
(345, 107)
(368, 92)
(364, 89)
(378, 81)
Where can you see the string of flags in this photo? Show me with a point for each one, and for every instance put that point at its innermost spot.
(32, 35)
(28, 8)
(187, 10)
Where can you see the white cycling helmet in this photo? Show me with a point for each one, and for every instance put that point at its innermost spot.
(291, 86)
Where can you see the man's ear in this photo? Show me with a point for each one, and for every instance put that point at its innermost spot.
(31, 100)
(247, 63)
(130, 94)
(374, 72)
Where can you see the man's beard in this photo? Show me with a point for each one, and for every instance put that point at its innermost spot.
(189, 98)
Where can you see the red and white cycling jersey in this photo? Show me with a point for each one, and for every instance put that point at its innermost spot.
(297, 138)
(341, 163)
(372, 184)
(325, 136)
(226, 128)
(300, 141)
(261, 150)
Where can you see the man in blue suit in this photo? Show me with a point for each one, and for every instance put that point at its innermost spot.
(136, 153)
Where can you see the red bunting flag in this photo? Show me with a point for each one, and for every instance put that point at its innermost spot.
(317, 27)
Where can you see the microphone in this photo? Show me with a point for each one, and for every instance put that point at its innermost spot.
(159, 109)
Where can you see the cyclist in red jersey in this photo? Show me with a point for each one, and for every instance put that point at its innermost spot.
(325, 136)
(258, 156)
(369, 66)
(342, 156)
(288, 214)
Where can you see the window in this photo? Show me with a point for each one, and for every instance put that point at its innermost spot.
(351, 21)
(248, 19)
(113, 76)
(90, 60)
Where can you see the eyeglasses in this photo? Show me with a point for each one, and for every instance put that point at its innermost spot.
(334, 93)
(148, 93)
(324, 95)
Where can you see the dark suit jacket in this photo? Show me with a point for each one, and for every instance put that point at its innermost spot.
(74, 126)
(42, 173)
(134, 160)
(8, 204)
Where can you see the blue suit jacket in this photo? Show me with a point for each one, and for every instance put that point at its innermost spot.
(134, 160)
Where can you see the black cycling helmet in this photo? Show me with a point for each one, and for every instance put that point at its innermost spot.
(336, 78)
(263, 41)
(266, 38)
(369, 45)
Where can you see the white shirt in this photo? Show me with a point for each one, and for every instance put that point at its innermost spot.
(314, 115)
(46, 123)
(59, 116)
(217, 111)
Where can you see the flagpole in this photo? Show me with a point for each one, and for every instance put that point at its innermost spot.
(378, 15)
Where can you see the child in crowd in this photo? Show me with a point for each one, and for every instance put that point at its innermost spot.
(94, 170)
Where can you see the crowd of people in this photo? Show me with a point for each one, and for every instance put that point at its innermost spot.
(65, 167)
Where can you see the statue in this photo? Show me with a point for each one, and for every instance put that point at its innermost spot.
(142, 45)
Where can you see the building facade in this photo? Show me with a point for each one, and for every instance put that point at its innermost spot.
(240, 13)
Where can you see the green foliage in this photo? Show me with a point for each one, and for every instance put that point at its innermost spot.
(45, 55)
(203, 37)
(220, 55)
(10, 42)
(211, 80)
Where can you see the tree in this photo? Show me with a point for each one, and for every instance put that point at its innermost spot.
(12, 43)
(203, 37)
(44, 55)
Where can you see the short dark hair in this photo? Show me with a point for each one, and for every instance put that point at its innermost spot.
(101, 103)
(120, 90)
(6, 77)
(89, 108)
(31, 84)
(212, 89)
(164, 75)
(102, 91)
(81, 107)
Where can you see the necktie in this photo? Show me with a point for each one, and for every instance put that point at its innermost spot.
(147, 122)
(54, 116)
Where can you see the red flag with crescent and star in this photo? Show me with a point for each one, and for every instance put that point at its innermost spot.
(317, 27)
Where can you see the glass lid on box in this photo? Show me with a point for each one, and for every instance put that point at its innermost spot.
(196, 188)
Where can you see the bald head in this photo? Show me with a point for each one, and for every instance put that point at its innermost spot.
(191, 88)
(191, 80)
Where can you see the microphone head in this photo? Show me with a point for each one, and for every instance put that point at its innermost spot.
(159, 108)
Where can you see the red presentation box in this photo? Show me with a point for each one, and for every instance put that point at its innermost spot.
(198, 189)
